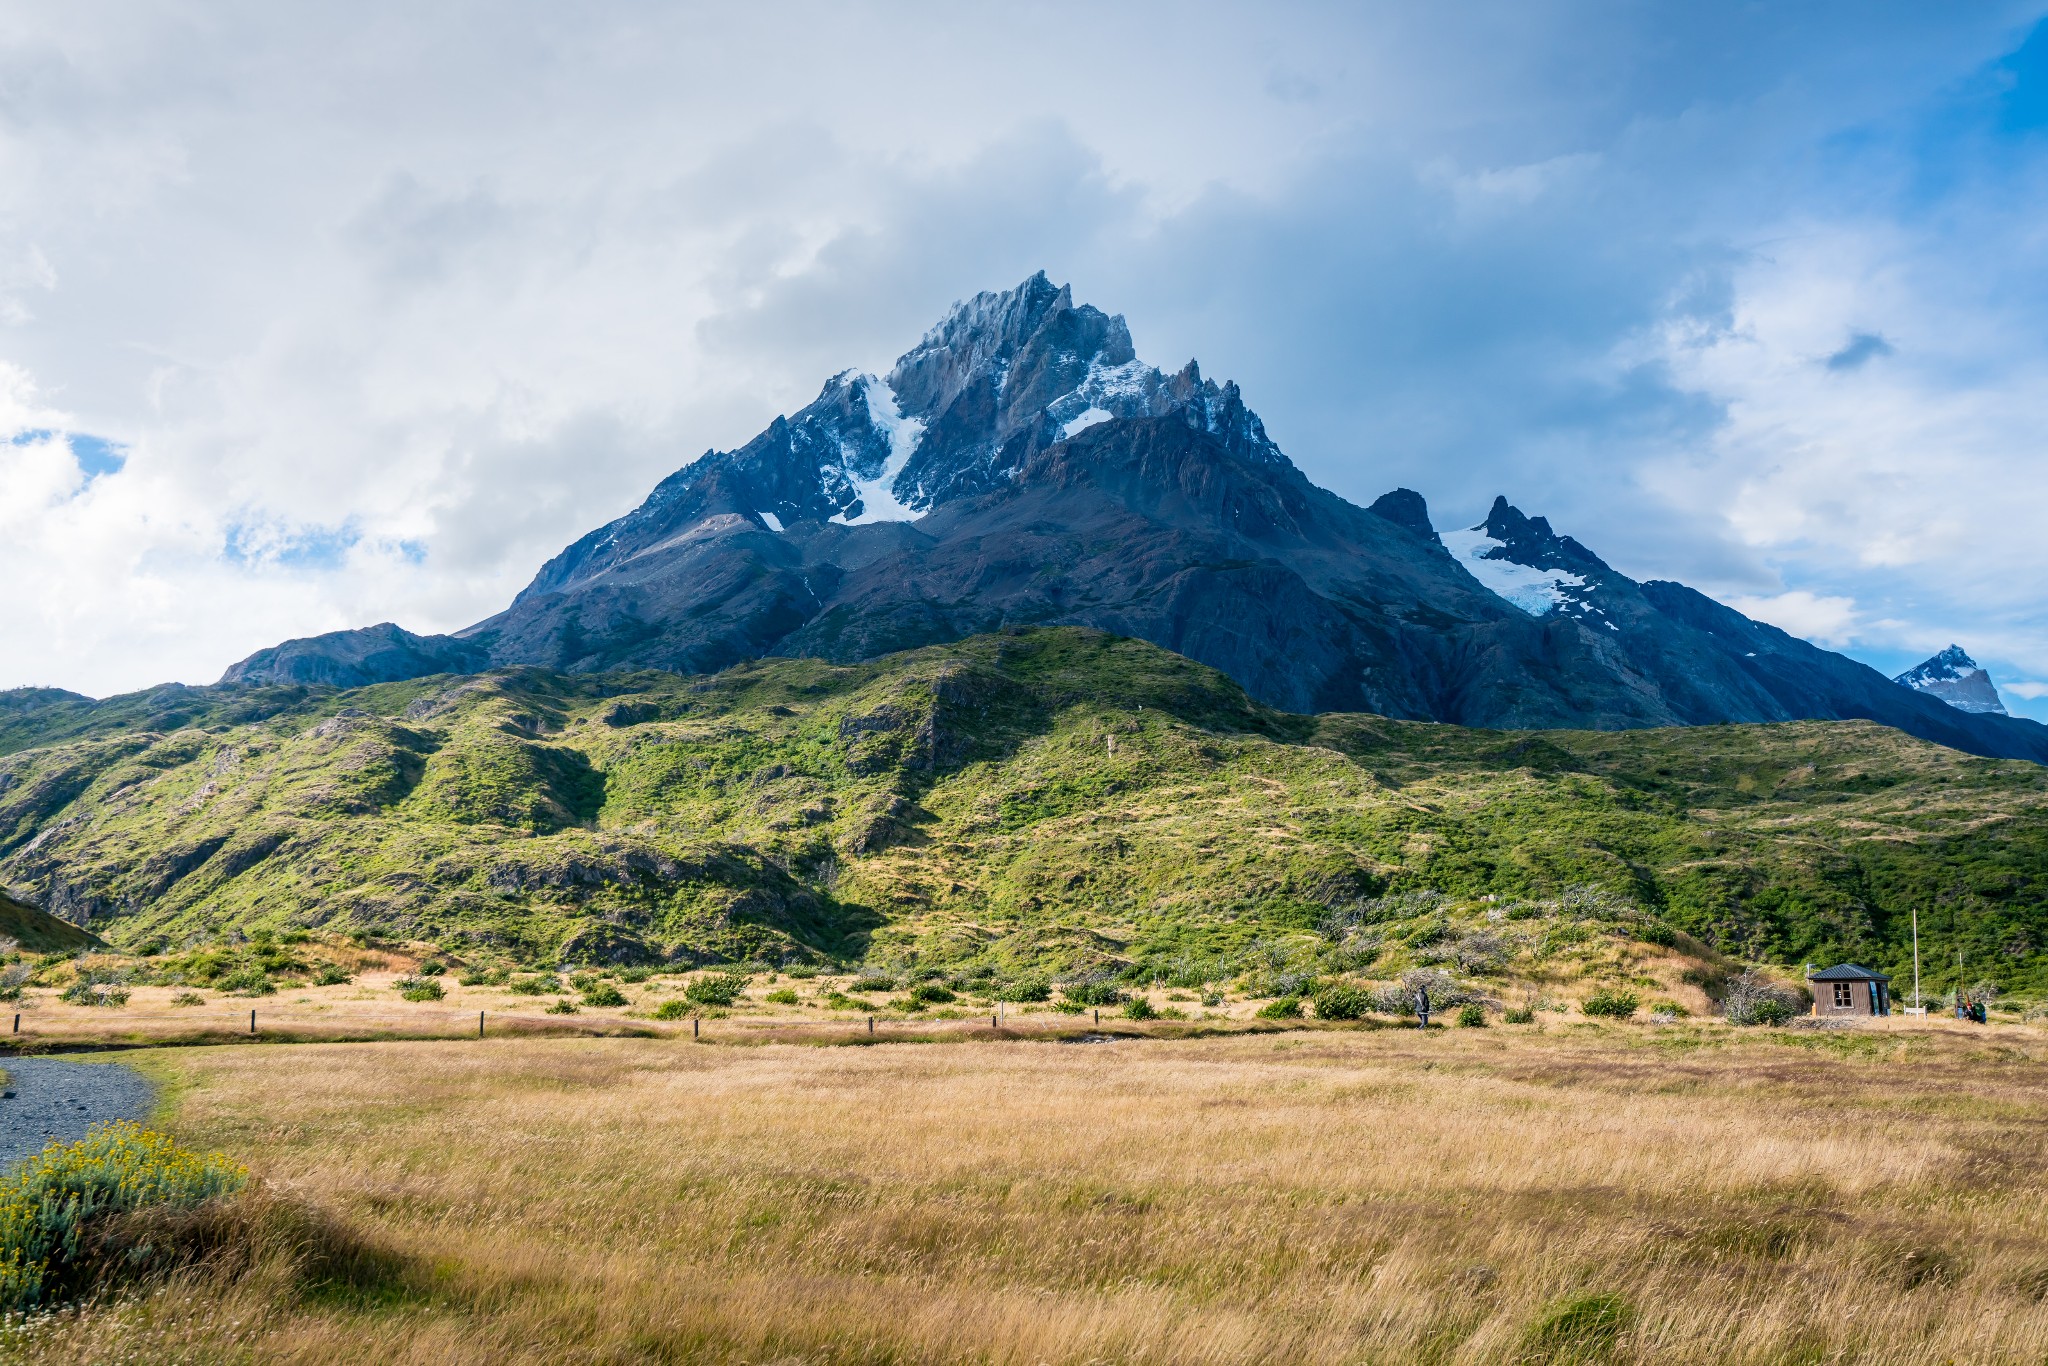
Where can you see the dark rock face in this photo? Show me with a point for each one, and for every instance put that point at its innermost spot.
(352, 659)
(1021, 466)
(1956, 679)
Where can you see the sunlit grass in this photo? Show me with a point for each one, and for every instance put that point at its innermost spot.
(1680, 1194)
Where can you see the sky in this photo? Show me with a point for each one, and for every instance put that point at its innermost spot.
(315, 316)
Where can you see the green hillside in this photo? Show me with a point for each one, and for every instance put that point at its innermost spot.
(39, 933)
(1045, 799)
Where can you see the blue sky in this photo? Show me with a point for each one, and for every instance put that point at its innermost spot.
(317, 316)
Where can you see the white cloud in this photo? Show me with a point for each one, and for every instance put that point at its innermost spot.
(2033, 692)
(1823, 620)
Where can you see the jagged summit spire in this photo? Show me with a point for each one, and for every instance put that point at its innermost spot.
(1956, 679)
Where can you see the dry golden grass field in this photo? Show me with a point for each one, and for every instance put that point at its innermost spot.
(1563, 1192)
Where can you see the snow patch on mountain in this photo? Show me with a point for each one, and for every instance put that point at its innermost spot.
(877, 495)
(1085, 421)
(774, 523)
(1535, 591)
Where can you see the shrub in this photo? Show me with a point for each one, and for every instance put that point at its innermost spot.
(49, 1206)
(188, 998)
(1025, 989)
(633, 977)
(1286, 1008)
(784, 997)
(1472, 1016)
(96, 989)
(801, 971)
(418, 989)
(333, 976)
(1519, 1015)
(565, 1006)
(603, 994)
(671, 1010)
(1611, 1003)
(1092, 993)
(432, 969)
(930, 994)
(1754, 999)
(13, 978)
(719, 989)
(1341, 1001)
(249, 981)
(1658, 933)
(1138, 1008)
(544, 984)
(872, 981)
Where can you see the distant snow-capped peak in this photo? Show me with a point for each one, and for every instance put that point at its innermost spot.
(1956, 679)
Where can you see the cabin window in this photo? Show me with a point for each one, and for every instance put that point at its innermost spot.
(1843, 996)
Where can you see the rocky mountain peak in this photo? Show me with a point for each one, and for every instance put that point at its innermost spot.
(1521, 559)
(1956, 679)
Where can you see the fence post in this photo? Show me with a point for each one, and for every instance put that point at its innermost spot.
(1098, 1017)
(252, 1021)
(871, 1024)
(479, 1024)
(17, 1024)
(993, 1023)
(695, 1023)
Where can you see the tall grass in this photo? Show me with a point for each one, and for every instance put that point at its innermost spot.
(1589, 1192)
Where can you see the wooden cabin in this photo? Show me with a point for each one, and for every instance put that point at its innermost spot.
(1850, 990)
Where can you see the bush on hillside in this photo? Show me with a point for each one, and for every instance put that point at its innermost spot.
(783, 997)
(418, 989)
(1095, 993)
(717, 989)
(930, 994)
(671, 1010)
(432, 968)
(333, 975)
(97, 987)
(1286, 1008)
(1611, 1003)
(1472, 1016)
(1341, 1001)
(249, 981)
(565, 1006)
(872, 981)
(1138, 1008)
(603, 994)
(545, 984)
(1024, 989)
(1754, 999)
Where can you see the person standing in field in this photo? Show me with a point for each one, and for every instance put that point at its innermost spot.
(1422, 1004)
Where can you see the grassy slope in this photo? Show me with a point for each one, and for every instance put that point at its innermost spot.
(1034, 799)
(37, 932)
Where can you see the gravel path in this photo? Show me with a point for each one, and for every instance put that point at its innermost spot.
(52, 1099)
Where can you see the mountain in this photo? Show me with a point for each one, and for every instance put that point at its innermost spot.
(1021, 466)
(1956, 679)
(1039, 800)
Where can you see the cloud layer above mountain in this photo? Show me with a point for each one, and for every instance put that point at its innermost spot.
(312, 317)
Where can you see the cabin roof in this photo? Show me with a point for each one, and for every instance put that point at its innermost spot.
(1848, 972)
